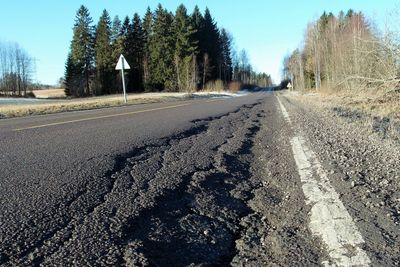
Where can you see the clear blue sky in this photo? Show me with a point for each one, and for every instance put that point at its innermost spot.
(268, 30)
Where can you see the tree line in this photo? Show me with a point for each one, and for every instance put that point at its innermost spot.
(344, 52)
(166, 51)
(16, 69)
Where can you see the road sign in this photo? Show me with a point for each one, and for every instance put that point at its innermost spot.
(289, 86)
(123, 65)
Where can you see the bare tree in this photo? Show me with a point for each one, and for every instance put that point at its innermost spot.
(15, 71)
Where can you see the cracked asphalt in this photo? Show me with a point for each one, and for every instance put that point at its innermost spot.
(191, 183)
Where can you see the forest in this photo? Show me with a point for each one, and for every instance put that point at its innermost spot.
(166, 52)
(345, 52)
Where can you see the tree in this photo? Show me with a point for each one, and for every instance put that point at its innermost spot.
(82, 51)
(341, 52)
(166, 51)
(16, 69)
(134, 54)
(185, 50)
(103, 52)
(211, 47)
(197, 22)
(147, 33)
(118, 45)
(226, 67)
(161, 48)
(71, 77)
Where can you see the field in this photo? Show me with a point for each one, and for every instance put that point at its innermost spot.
(49, 93)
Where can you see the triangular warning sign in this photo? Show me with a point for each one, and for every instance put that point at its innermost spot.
(122, 64)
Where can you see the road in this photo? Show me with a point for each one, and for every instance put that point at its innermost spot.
(238, 181)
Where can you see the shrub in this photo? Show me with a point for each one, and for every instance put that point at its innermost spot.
(216, 85)
(234, 86)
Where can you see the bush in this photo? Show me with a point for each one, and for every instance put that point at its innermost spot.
(217, 85)
(234, 86)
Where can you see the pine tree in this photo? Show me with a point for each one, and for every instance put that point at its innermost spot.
(185, 50)
(103, 52)
(82, 50)
(161, 48)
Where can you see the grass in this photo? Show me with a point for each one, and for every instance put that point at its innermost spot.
(56, 106)
(49, 93)
(376, 103)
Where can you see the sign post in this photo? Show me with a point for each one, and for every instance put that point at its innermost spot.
(289, 86)
(123, 65)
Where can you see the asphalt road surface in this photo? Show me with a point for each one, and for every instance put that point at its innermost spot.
(257, 180)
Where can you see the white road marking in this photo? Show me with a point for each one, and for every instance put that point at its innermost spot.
(284, 111)
(329, 218)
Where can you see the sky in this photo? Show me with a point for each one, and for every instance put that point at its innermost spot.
(267, 29)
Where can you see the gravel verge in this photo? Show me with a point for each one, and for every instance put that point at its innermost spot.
(363, 167)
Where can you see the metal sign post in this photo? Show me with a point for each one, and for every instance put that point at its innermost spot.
(123, 65)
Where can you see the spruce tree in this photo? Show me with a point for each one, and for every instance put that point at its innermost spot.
(147, 32)
(137, 51)
(117, 44)
(103, 52)
(185, 50)
(82, 50)
(161, 48)
(197, 21)
(116, 28)
(71, 77)
(117, 39)
(226, 58)
(212, 47)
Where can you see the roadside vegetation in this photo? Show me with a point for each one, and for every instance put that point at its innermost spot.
(56, 106)
(176, 52)
(350, 63)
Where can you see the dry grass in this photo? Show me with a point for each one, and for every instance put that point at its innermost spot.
(49, 93)
(56, 106)
(19, 110)
(376, 103)
(214, 86)
(234, 86)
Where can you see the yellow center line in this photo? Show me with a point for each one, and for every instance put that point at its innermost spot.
(214, 100)
(98, 117)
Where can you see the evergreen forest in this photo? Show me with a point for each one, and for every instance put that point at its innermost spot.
(180, 52)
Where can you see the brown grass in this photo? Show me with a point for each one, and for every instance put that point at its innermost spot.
(376, 103)
(20, 110)
(234, 86)
(49, 93)
(214, 86)
(56, 106)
